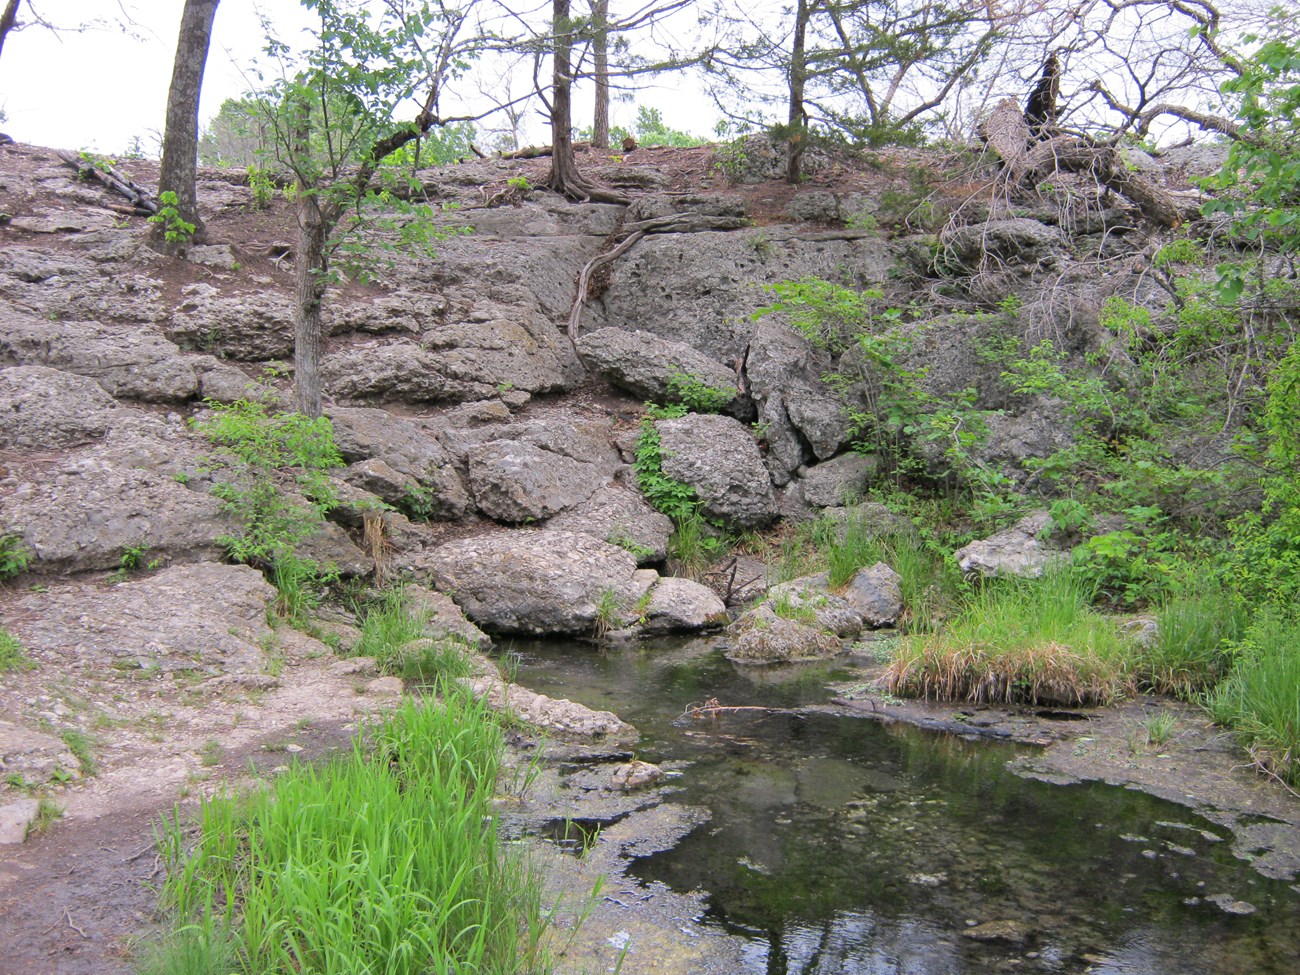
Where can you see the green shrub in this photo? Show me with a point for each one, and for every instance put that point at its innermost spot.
(698, 397)
(401, 642)
(15, 556)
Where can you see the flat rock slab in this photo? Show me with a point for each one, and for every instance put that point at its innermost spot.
(204, 617)
(16, 818)
(41, 408)
(623, 518)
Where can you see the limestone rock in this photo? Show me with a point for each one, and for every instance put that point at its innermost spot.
(620, 517)
(1015, 551)
(130, 363)
(838, 481)
(385, 687)
(444, 619)
(519, 482)
(717, 456)
(16, 818)
(33, 755)
(636, 775)
(246, 325)
(648, 366)
(876, 595)
(681, 604)
(801, 419)
(1016, 241)
(535, 582)
(204, 617)
(762, 637)
(404, 447)
(1009, 930)
(811, 597)
(45, 408)
(87, 514)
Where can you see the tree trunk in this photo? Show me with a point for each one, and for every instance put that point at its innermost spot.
(309, 293)
(181, 139)
(798, 123)
(564, 176)
(600, 25)
(7, 20)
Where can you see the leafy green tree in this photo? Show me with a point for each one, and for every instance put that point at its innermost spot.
(336, 115)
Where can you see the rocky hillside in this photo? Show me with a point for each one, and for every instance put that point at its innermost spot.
(483, 454)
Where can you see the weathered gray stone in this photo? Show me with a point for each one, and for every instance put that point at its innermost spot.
(47, 408)
(762, 637)
(876, 595)
(680, 604)
(212, 255)
(636, 775)
(206, 617)
(221, 381)
(800, 418)
(131, 363)
(838, 481)
(247, 325)
(1008, 930)
(717, 456)
(17, 817)
(560, 717)
(623, 518)
(811, 595)
(444, 619)
(1015, 551)
(33, 755)
(654, 368)
(535, 582)
(519, 482)
(86, 515)
(70, 287)
(405, 447)
(64, 221)
(1017, 241)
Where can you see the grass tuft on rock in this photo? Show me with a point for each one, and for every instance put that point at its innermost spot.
(1018, 641)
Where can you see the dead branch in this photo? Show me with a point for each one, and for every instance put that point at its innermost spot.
(1072, 154)
(713, 707)
(103, 172)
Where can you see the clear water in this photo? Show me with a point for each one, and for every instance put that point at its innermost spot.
(838, 845)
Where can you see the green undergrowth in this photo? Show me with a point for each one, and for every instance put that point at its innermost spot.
(398, 636)
(13, 657)
(1260, 696)
(387, 860)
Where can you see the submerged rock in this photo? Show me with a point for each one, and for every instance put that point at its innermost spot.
(636, 775)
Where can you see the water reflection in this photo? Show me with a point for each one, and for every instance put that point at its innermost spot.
(840, 845)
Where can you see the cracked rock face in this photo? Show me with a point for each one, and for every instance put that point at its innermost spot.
(42, 408)
(519, 482)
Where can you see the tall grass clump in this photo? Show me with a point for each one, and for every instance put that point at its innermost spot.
(386, 861)
(1260, 697)
(1034, 641)
(402, 643)
(1190, 651)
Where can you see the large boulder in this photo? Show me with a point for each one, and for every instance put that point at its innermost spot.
(681, 604)
(519, 482)
(622, 517)
(763, 637)
(654, 368)
(205, 617)
(495, 348)
(42, 408)
(876, 594)
(537, 582)
(130, 363)
(248, 325)
(717, 456)
(837, 482)
(1015, 551)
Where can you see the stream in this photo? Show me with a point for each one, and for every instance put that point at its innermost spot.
(837, 844)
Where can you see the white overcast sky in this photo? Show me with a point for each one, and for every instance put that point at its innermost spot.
(100, 88)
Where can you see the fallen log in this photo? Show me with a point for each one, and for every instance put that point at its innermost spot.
(102, 171)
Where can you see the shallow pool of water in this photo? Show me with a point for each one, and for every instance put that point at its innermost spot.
(839, 845)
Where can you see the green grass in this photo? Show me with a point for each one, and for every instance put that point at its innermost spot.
(1189, 653)
(1260, 697)
(388, 860)
(12, 655)
(81, 745)
(399, 640)
(1018, 641)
